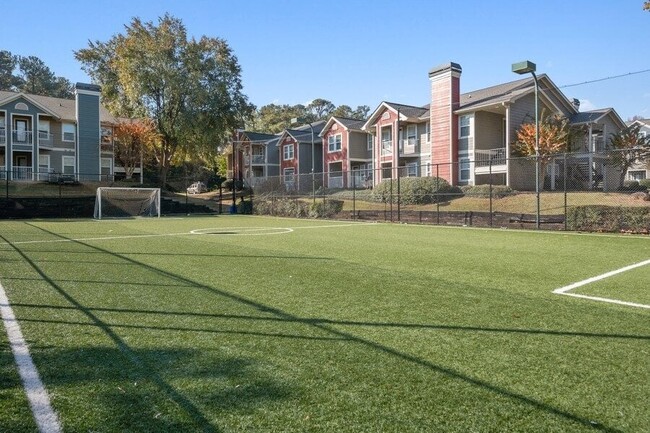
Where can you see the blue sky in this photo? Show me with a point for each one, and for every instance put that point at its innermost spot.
(358, 52)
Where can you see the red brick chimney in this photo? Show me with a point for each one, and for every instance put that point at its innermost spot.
(445, 98)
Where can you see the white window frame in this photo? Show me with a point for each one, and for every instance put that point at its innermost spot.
(287, 152)
(334, 143)
(63, 132)
(68, 161)
(413, 134)
(412, 169)
(370, 140)
(636, 175)
(467, 125)
(464, 164)
(43, 163)
(427, 169)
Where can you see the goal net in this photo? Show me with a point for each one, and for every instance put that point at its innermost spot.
(113, 202)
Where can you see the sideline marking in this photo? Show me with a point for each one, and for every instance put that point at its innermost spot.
(565, 290)
(45, 417)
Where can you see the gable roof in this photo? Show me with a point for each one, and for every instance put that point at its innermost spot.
(595, 116)
(60, 108)
(406, 112)
(346, 122)
(259, 137)
(302, 134)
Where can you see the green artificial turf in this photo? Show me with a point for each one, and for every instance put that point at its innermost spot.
(283, 325)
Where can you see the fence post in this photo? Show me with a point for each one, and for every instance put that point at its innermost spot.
(220, 198)
(565, 193)
(490, 192)
(354, 197)
(391, 195)
(399, 197)
(438, 194)
(7, 183)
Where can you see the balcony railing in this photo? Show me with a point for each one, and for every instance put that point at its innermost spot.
(258, 159)
(335, 181)
(21, 137)
(45, 139)
(408, 146)
(21, 173)
(106, 147)
(3, 136)
(485, 158)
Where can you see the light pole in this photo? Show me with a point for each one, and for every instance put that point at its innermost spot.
(526, 67)
(313, 179)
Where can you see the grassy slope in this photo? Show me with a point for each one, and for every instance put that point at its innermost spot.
(366, 328)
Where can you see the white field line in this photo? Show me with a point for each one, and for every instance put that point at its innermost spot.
(45, 417)
(565, 290)
(104, 238)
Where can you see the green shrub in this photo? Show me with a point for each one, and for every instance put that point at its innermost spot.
(325, 209)
(632, 186)
(286, 207)
(483, 191)
(415, 190)
(645, 183)
(609, 219)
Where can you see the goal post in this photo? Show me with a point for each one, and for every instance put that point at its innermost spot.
(116, 202)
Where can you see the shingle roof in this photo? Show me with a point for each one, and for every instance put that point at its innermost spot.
(62, 108)
(409, 110)
(259, 136)
(351, 123)
(588, 116)
(496, 94)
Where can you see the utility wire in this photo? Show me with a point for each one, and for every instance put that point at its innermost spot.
(604, 79)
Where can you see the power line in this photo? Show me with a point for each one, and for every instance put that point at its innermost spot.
(604, 79)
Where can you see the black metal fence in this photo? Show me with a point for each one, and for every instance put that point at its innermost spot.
(568, 192)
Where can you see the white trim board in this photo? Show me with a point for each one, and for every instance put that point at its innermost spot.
(566, 289)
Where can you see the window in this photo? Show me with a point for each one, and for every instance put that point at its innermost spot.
(411, 134)
(68, 165)
(464, 172)
(465, 126)
(412, 169)
(107, 135)
(386, 140)
(43, 167)
(427, 130)
(636, 175)
(427, 169)
(289, 177)
(69, 132)
(107, 166)
(43, 128)
(370, 140)
(287, 152)
(465, 140)
(334, 143)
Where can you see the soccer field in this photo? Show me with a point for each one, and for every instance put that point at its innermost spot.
(243, 323)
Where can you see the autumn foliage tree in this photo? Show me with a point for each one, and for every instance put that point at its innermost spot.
(132, 138)
(554, 138)
(191, 88)
(628, 147)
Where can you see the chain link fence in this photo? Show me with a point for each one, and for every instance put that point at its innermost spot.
(584, 192)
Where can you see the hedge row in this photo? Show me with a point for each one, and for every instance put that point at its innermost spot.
(294, 208)
(609, 219)
(415, 190)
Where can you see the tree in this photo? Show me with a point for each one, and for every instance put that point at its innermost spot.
(132, 138)
(554, 137)
(646, 5)
(628, 147)
(275, 118)
(320, 109)
(8, 64)
(31, 75)
(191, 89)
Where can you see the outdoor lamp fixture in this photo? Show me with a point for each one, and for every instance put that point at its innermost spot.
(521, 68)
(295, 120)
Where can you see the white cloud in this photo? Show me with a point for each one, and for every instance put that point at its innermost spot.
(646, 95)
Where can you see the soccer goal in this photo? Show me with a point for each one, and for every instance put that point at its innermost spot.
(114, 202)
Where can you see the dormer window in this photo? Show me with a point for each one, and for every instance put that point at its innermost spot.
(69, 132)
(287, 152)
(334, 143)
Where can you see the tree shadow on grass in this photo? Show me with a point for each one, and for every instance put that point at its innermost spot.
(323, 326)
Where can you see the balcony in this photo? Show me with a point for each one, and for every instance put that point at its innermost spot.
(335, 181)
(21, 137)
(21, 173)
(3, 136)
(258, 159)
(409, 146)
(45, 140)
(490, 160)
(106, 147)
